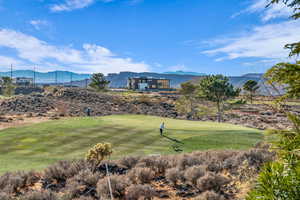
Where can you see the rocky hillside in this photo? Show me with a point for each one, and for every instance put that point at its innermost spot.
(74, 101)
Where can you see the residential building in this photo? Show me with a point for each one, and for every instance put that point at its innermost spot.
(22, 81)
(148, 84)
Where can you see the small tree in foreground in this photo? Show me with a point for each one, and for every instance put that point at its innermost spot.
(98, 82)
(251, 87)
(99, 152)
(216, 88)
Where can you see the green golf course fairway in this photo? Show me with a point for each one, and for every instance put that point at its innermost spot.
(38, 145)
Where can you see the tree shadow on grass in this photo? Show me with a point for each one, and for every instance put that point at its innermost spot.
(173, 139)
(176, 145)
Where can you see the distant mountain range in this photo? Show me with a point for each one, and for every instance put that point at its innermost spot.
(48, 77)
(119, 80)
(185, 73)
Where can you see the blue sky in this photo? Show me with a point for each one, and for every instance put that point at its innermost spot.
(231, 37)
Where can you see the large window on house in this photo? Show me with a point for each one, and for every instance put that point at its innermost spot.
(163, 84)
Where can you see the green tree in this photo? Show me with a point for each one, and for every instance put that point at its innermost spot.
(281, 179)
(295, 5)
(188, 92)
(8, 86)
(98, 82)
(251, 87)
(216, 88)
(287, 75)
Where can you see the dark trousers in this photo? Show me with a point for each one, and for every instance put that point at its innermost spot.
(161, 131)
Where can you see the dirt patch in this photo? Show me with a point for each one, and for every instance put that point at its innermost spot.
(17, 121)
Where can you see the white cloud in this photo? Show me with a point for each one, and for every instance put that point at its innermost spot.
(273, 11)
(262, 42)
(37, 24)
(69, 5)
(6, 61)
(91, 58)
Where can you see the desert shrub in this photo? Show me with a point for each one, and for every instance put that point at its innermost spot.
(141, 175)
(231, 163)
(118, 185)
(129, 161)
(185, 161)
(160, 165)
(40, 195)
(193, 173)
(73, 189)
(262, 145)
(225, 154)
(13, 182)
(212, 181)
(215, 165)
(257, 157)
(4, 196)
(4, 180)
(32, 177)
(148, 161)
(174, 175)
(156, 163)
(83, 183)
(99, 152)
(136, 192)
(209, 195)
(84, 198)
(61, 171)
(252, 159)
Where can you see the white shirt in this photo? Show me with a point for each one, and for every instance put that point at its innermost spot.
(162, 126)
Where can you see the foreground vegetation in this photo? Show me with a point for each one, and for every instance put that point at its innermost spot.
(36, 146)
(216, 175)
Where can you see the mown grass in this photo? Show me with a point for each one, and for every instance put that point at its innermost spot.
(38, 145)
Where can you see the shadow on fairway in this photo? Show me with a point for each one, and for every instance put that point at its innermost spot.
(177, 145)
(172, 139)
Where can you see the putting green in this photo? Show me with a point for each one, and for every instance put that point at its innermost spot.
(38, 145)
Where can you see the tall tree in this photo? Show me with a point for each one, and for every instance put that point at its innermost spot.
(251, 87)
(8, 86)
(288, 74)
(295, 5)
(98, 82)
(188, 91)
(281, 178)
(216, 88)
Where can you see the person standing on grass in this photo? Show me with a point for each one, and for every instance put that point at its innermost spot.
(88, 111)
(161, 128)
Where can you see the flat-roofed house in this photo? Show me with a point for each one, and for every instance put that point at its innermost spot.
(23, 81)
(148, 83)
